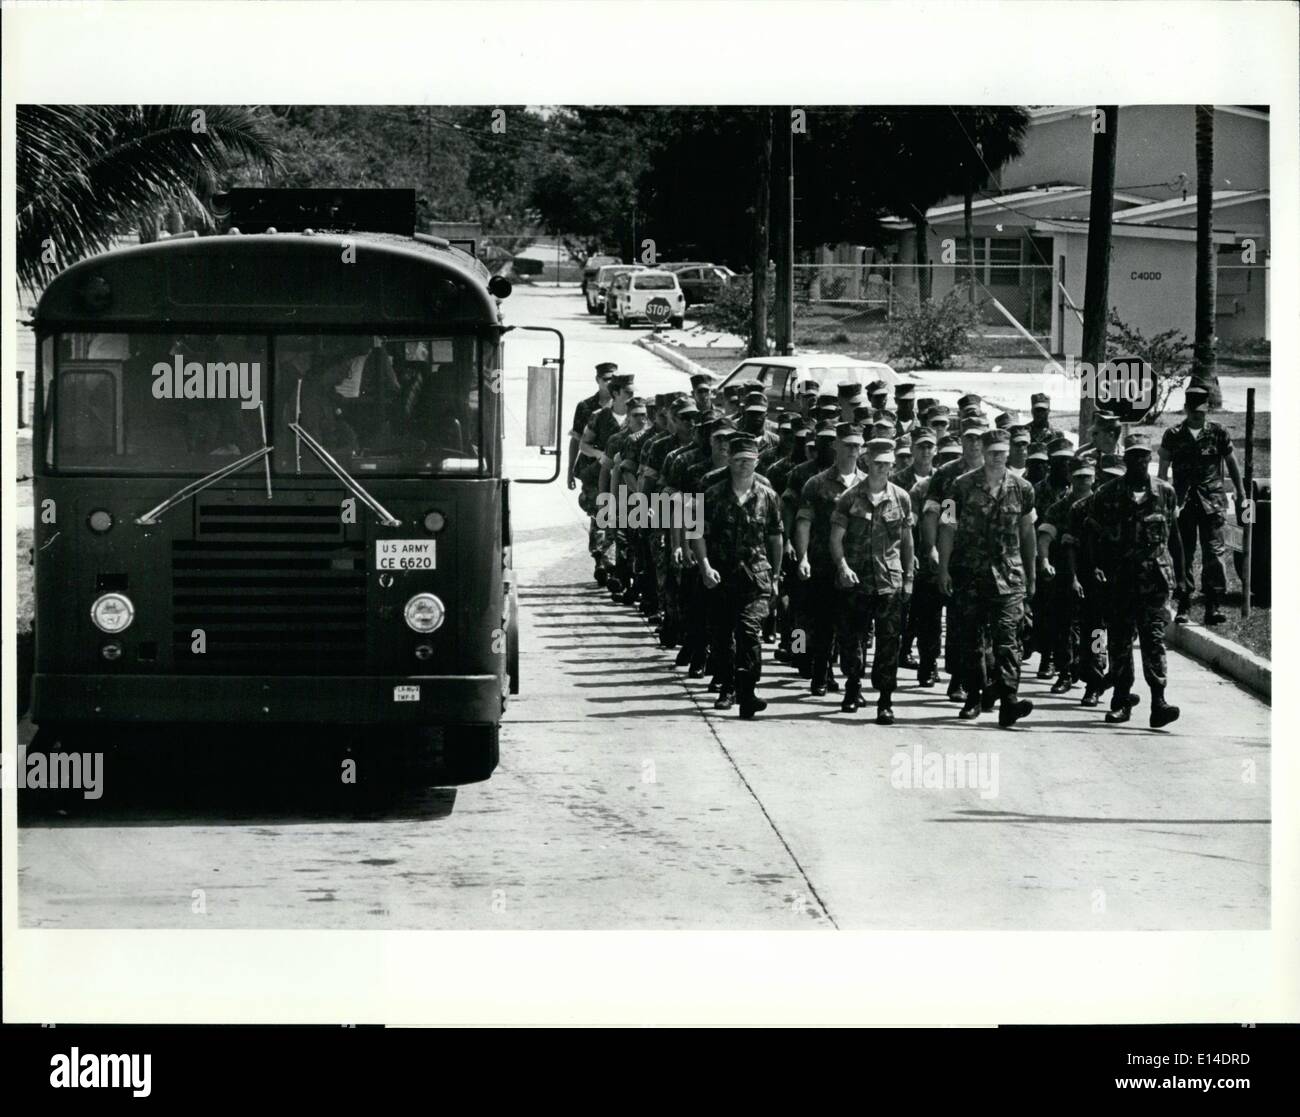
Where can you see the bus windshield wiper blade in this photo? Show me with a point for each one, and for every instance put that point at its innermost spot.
(151, 517)
(349, 482)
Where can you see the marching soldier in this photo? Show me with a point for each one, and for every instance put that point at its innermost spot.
(1040, 426)
(902, 453)
(1046, 493)
(1198, 449)
(603, 424)
(738, 557)
(822, 457)
(702, 390)
(654, 462)
(905, 404)
(986, 563)
(1062, 614)
(581, 467)
(812, 539)
(1017, 460)
(922, 445)
(1134, 526)
(1103, 436)
(803, 449)
(849, 398)
(1081, 571)
(939, 419)
(695, 642)
(620, 578)
(871, 548)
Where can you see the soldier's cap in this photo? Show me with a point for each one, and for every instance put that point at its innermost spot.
(809, 387)
(848, 432)
(800, 427)
(1003, 422)
(995, 439)
(825, 430)
(1059, 447)
(1111, 463)
(1102, 419)
(743, 446)
(884, 414)
(971, 409)
(758, 408)
(970, 399)
(636, 407)
(925, 405)
(711, 423)
(903, 445)
(826, 411)
(1019, 433)
(752, 385)
(621, 381)
(883, 427)
(948, 444)
(924, 434)
(756, 396)
(1137, 443)
(862, 413)
(605, 368)
(784, 424)
(1197, 398)
(938, 411)
(904, 391)
(731, 391)
(847, 392)
(1014, 419)
(661, 399)
(701, 380)
(973, 424)
(685, 407)
(823, 398)
(722, 428)
(1040, 401)
(709, 414)
(1037, 452)
(879, 450)
(877, 388)
(1082, 466)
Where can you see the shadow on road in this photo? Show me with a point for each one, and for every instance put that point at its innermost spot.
(191, 780)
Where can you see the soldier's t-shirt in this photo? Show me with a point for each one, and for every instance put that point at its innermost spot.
(1054, 523)
(780, 471)
(602, 426)
(817, 505)
(1131, 538)
(736, 533)
(940, 482)
(583, 413)
(1197, 458)
(986, 547)
(873, 534)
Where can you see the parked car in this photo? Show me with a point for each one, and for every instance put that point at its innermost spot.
(591, 267)
(599, 285)
(651, 296)
(702, 283)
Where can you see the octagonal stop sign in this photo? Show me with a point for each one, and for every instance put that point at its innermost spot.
(1126, 388)
(658, 310)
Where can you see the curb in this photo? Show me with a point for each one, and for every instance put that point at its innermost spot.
(666, 353)
(1224, 656)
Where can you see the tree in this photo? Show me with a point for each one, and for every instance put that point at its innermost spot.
(762, 132)
(1204, 342)
(88, 173)
(1096, 290)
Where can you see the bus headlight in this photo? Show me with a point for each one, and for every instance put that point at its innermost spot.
(424, 613)
(112, 613)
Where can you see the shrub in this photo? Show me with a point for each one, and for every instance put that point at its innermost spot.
(1168, 354)
(930, 334)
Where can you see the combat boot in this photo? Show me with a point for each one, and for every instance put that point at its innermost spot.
(956, 692)
(988, 699)
(601, 574)
(750, 703)
(725, 700)
(1161, 712)
(852, 696)
(1091, 696)
(696, 670)
(1121, 708)
(885, 708)
(1045, 666)
(1063, 683)
(971, 710)
(1182, 609)
(1013, 709)
(926, 675)
(1213, 614)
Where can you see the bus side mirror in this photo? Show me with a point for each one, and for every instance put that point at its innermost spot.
(543, 408)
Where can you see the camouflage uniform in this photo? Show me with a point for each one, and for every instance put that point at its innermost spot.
(653, 462)
(1062, 606)
(639, 538)
(937, 492)
(800, 623)
(925, 611)
(1197, 458)
(1093, 664)
(816, 506)
(603, 425)
(872, 548)
(582, 470)
(736, 534)
(989, 576)
(1131, 543)
(690, 590)
(1041, 635)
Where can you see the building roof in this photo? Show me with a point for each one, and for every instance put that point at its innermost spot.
(1013, 202)
(1153, 212)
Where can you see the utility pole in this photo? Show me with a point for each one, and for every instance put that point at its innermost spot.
(783, 228)
(762, 209)
(1096, 290)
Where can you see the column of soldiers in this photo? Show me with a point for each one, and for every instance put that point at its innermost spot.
(839, 528)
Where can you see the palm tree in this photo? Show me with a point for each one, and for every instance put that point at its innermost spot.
(1203, 344)
(87, 173)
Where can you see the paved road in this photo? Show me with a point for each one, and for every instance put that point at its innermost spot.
(624, 801)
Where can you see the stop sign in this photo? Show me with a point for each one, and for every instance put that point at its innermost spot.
(1126, 388)
(658, 310)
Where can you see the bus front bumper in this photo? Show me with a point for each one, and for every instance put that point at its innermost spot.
(258, 699)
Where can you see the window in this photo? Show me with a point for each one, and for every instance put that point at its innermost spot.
(997, 260)
(656, 283)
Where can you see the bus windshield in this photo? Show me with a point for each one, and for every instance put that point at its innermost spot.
(170, 403)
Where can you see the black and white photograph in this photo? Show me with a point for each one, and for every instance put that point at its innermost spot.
(843, 513)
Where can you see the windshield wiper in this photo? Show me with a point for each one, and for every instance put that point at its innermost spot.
(208, 479)
(349, 482)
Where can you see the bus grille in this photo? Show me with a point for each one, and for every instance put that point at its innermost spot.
(267, 605)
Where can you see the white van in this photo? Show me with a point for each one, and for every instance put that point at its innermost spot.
(651, 296)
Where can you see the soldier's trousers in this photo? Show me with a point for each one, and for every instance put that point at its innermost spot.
(598, 541)
(856, 610)
(1145, 615)
(644, 568)
(954, 639)
(736, 611)
(694, 615)
(995, 618)
(1092, 664)
(1196, 525)
(665, 577)
(1042, 639)
(823, 598)
(925, 619)
(1063, 624)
